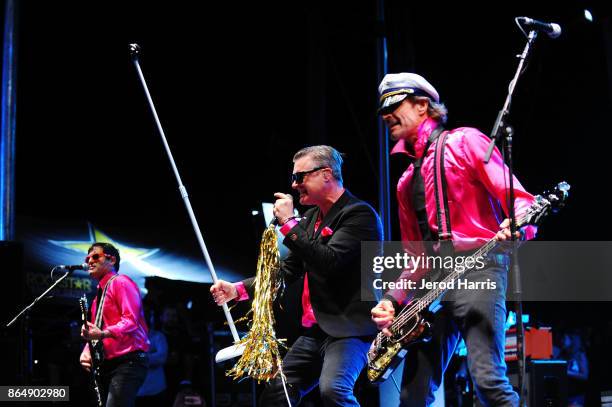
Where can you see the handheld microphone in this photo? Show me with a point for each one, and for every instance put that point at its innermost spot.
(83, 266)
(553, 30)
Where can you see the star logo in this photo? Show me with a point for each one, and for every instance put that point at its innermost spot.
(130, 254)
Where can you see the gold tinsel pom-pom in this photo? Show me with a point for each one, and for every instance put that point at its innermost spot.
(261, 359)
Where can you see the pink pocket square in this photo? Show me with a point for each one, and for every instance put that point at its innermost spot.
(326, 231)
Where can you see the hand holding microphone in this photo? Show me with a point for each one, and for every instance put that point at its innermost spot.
(283, 207)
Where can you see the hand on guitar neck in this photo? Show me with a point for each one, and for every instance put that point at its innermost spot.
(504, 231)
(91, 332)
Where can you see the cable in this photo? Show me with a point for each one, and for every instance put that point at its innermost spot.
(516, 20)
(52, 270)
(284, 385)
(395, 383)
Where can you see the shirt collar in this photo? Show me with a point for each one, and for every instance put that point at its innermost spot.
(423, 133)
(105, 279)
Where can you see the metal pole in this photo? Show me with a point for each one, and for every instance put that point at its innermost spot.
(135, 49)
(383, 137)
(7, 136)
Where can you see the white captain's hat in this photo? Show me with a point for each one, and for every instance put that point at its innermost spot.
(395, 87)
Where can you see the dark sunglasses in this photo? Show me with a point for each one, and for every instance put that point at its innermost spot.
(95, 257)
(389, 109)
(298, 177)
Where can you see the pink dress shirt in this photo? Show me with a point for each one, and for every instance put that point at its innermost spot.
(476, 191)
(123, 317)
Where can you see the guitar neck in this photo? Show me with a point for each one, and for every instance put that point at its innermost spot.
(482, 252)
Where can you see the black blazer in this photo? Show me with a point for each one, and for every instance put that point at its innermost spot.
(333, 265)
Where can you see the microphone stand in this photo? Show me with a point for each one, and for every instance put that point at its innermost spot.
(235, 350)
(502, 128)
(26, 338)
(26, 309)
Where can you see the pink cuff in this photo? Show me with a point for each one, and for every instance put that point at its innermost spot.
(288, 226)
(529, 232)
(242, 292)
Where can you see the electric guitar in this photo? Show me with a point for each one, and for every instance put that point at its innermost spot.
(411, 324)
(97, 354)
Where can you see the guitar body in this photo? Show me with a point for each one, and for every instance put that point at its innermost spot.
(390, 352)
(97, 355)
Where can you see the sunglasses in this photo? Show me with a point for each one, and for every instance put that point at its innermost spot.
(298, 177)
(95, 257)
(389, 109)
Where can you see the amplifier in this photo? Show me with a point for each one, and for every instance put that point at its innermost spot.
(538, 344)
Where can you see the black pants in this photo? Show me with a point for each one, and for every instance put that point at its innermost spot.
(122, 377)
(331, 363)
(479, 317)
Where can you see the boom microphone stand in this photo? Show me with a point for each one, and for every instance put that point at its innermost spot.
(235, 350)
(27, 309)
(501, 128)
(26, 330)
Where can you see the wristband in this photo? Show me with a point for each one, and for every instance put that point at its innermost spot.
(287, 219)
(288, 226)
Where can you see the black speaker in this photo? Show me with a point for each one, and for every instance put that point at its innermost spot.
(11, 301)
(225, 391)
(12, 287)
(546, 382)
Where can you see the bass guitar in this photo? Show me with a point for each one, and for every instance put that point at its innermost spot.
(412, 325)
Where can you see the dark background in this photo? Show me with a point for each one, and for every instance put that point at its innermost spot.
(240, 87)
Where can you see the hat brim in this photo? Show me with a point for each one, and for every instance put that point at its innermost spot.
(391, 100)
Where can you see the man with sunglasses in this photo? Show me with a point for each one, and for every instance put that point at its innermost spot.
(476, 198)
(325, 248)
(119, 325)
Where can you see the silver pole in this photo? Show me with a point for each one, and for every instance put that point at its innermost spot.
(134, 51)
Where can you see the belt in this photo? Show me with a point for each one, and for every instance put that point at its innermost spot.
(137, 355)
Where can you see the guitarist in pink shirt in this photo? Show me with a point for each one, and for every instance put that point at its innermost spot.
(475, 204)
(118, 333)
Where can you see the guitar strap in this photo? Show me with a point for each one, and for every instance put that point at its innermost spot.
(100, 306)
(444, 236)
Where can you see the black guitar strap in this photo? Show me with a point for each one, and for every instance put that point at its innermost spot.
(442, 210)
(439, 136)
(100, 306)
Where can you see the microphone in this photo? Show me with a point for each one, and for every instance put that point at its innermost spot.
(553, 30)
(83, 266)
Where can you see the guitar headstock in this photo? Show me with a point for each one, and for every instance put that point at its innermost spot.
(549, 201)
(84, 308)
